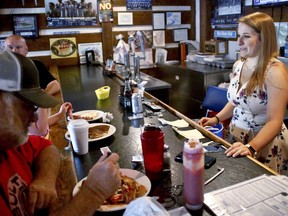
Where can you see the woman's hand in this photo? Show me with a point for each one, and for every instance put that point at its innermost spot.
(205, 121)
(238, 149)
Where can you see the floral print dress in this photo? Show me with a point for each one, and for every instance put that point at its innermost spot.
(249, 116)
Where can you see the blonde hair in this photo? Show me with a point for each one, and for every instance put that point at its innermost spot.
(263, 24)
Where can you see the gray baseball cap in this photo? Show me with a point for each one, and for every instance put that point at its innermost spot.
(18, 74)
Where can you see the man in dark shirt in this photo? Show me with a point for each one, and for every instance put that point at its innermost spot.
(48, 83)
(18, 44)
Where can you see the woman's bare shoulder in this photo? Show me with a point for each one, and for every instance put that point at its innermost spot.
(277, 74)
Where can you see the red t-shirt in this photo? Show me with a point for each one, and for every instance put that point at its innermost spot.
(16, 174)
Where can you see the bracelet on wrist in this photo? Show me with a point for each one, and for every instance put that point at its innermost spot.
(252, 150)
(218, 120)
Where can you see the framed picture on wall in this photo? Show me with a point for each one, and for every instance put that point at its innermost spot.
(77, 12)
(180, 35)
(229, 7)
(158, 38)
(125, 18)
(173, 18)
(158, 20)
(25, 26)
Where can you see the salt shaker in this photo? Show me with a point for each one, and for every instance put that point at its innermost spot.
(193, 161)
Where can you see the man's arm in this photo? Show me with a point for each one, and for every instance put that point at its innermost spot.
(47, 81)
(53, 87)
(103, 180)
(42, 190)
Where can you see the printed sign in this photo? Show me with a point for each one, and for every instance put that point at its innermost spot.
(105, 11)
(71, 13)
(139, 4)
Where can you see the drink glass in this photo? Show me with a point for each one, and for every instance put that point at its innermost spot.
(78, 130)
(152, 140)
(193, 161)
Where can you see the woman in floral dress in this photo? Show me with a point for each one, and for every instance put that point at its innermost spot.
(258, 96)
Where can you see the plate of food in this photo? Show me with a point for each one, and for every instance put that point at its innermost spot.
(138, 183)
(88, 115)
(97, 131)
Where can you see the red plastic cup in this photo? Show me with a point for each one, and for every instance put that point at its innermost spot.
(152, 140)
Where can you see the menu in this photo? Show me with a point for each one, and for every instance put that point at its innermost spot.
(263, 195)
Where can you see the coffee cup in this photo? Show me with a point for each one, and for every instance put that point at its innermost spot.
(78, 130)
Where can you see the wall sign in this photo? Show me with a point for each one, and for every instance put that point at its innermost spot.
(225, 34)
(71, 13)
(139, 4)
(105, 11)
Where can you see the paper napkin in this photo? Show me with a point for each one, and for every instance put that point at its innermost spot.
(178, 123)
(189, 134)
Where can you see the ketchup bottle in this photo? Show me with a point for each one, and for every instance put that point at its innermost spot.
(193, 161)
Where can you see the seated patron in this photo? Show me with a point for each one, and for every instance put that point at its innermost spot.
(18, 45)
(30, 164)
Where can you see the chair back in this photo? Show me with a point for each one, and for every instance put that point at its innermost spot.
(215, 99)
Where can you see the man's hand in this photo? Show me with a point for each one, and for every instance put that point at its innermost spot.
(41, 195)
(104, 178)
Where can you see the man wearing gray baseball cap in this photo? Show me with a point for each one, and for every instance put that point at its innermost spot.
(30, 164)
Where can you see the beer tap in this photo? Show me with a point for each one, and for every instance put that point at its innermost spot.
(137, 58)
(127, 64)
(131, 52)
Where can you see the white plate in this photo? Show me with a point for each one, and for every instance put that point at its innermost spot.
(111, 131)
(97, 113)
(138, 176)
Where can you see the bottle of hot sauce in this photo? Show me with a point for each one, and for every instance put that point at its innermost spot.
(193, 161)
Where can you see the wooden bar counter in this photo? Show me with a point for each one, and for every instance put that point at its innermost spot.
(67, 175)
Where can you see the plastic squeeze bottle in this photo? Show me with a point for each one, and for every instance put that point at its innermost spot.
(193, 161)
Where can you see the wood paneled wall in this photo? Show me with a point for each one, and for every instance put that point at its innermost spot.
(140, 18)
(106, 36)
